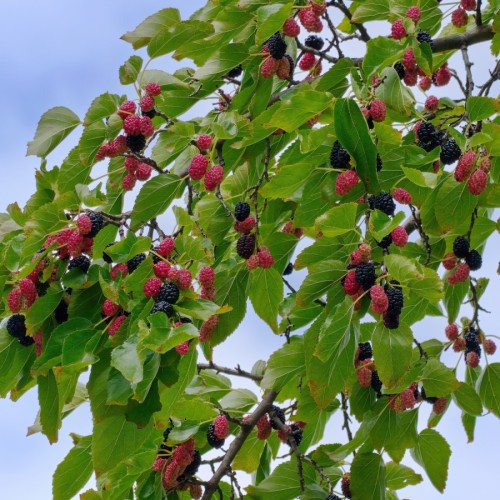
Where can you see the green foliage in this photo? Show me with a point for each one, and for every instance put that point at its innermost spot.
(154, 366)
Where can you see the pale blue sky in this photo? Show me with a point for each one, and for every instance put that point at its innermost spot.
(66, 53)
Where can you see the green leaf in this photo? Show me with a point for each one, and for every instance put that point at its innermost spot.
(72, 474)
(248, 458)
(266, 294)
(479, 108)
(151, 26)
(154, 198)
(371, 11)
(224, 60)
(488, 386)
(393, 350)
(284, 365)
(368, 476)
(454, 203)
(320, 278)
(162, 338)
(125, 358)
(177, 35)
(130, 69)
(42, 308)
(381, 52)
(270, 18)
(400, 476)
(53, 127)
(48, 398)
(352, 131)
(396, 96)
(380, 224)
(433, 454)
(438, 379)
(114, 440)
(334, 80)
(338, 220)
(283, 483)
(102, 107)
(468, 400)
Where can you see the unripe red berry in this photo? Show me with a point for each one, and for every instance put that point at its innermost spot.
(126, 109)
(460, 274)
(213, 177)
(221, 427)
(131, 164)
(147, 127)
(283, 71)
(291, 28)
(161, 269)
(472, 359)
(439, 406)
(459, 344)
(28, 291)
(143, 172)
(399, 236)
(185, 279)
(442, 76)
(253, 262)
(182, 349)
(198, 167)
(377, 110)
(204, 142)
(166, 247)
(410, 77)
(310, 20)
(459, 18)
(128, 182)
(431, 103)
(14, 300)
(269, 67)
(132, 125)
(414, 14)
(307, 61)
(351, 286)
(380, 301)
(346, 181)
(468, 4)
(318, 6)
(364, 376)
(208, 293)
(409, 61)
(206, 277)
(84, 224)
(109, 308)
(116, 324)
(451, 332)
(208, 327)
(152, 287)
(425, 83)
(173, 274)
(478, 182)
(489, 346)
(449, 261)
(266, 260)
(402, 196)
(245, 226)
(147, 103)
(408, 399)
(356, 258)
(263, 427)
(119, 270)
(398, 30)
(152, 89)
(465, 166)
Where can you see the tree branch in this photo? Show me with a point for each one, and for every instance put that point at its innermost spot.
(238, 372)
(237, 443)
(480, 34)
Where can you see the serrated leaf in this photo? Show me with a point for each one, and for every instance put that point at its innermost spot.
(338, 220)
(433, 454)
(368, 476)
(399, 476)
(223, 61)
(438, 379)
(488, 386)
(468, 400)
(479, 108)
(101, 107)
(320, 278)
(54, 126)
(154, 198)
(270, 18)
(50, 405)
(266, 294)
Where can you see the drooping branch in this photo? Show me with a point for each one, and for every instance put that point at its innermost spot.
(238, 442)
(347, 13)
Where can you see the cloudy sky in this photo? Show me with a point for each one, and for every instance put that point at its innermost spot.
(66, 53)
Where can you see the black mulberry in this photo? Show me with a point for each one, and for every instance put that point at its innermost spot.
(450, 152)
(277, 412)
(314, 42)
(164, 307)
(339, 157)
(16, 326)
(424, 37)
(365, 275)
(134, 262)
(382, 202)
(461, 247)
(245, 245)
(241, 211)
(212, 439)
(136, 143)
(169, 292)
(276, 46)
(82, 262)
(365, 351)
(97, 223)
(474, 260)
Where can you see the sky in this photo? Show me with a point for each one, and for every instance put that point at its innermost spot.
(66, 53)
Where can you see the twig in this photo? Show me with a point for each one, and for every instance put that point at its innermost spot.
(238, 442)
(480, 34)
(423, 354)
(292, 289)
(479, 19)
(345, 10)
(218, 150)
(318, 53)
(422, 233)
(145, 159)
(321, 472)
(494, 75)
(469, 82)
(221, 199)
(335, 42)
(234, 480)
(229, 371)
(473, 218)
(347, 419)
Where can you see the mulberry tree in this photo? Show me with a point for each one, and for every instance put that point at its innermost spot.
(143, 251)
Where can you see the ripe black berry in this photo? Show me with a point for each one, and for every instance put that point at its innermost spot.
(314, 41)
(339, 157)
(396, 300)
(376, 384)
(61, 312)
(276, 46)
(212, 439)
(379, 163)
(82, 262)
(245, 245)
(26, 341)
(134, 262)
(151, 113)
(42, 288)
(474, 260)
(391, 320)
(365, 351)
(235, 72)
(169, 292)
(461, 247)
(400, 69)
(424, 37)
(296, 431)
(277, 412)
(385, 242)
(16, 326)
(97, 223)
(164, 307)
(426, 132)
(241, 211)
(365, 275)
(450, 152)
(382, 202)
(288, 269)
(472, 341)
(136, 143)
(193, 467)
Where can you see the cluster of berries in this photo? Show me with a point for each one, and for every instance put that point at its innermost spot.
(366, 372)
(276, 60)
(474, 170)
(136, 171)
(309, 16)
(340, 159)
(398, 30)
(438, 404)
(268, 422)
(408, 70)
(16, 327)
(405, 400)
(117, 315)
(459, 16)
(180, 464)
(375, 111)
(470, 341)
(198, 168)
(218, 431)
(452, 261)
(429, 138)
